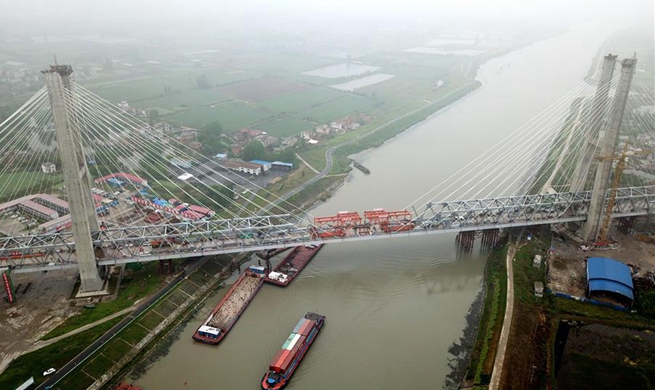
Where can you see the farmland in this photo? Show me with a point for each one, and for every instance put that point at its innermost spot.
(285, 127)
(180, 101)
(232, 116)
(302, 100)
(339, 108)
(260, 89)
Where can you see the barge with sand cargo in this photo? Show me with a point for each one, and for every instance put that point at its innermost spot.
(230, 308)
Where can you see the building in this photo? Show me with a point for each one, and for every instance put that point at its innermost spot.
(237, 150)
(539, 289)
(37, 210)
(268, 140)
(266, 166)
(221, 155)
(282, 165)
(123, 177)
(536, 262)
(242, 166)
(609, 278)
(48, 167)
(289, 141)
(52, 202)
(187, 136)
(246, 134)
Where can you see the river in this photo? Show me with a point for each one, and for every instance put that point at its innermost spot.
(393, 307)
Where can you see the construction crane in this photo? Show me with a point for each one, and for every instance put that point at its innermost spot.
(620, 166)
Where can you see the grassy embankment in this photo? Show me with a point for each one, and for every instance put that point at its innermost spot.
(127, 339)
(491, 320)
(136, 285)
(56, 355)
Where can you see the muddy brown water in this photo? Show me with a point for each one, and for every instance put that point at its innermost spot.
(395, 306)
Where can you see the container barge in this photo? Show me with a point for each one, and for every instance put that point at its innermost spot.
(292, 264)
(288, 358)
(230, 308)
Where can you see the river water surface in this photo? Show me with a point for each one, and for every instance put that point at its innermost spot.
(393, 307)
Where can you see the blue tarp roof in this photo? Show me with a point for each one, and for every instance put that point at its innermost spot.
(282, 163)
(260, 162)
(609, 275)
(612, 286)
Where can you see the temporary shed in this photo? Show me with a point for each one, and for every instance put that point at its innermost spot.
(609, 275)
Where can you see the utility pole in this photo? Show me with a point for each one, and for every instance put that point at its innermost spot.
(608, 149)
(591, 140)
(76, 173)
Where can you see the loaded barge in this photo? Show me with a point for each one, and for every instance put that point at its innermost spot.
(267, 254)
(288, 358)
(292, 264)
(230, 308)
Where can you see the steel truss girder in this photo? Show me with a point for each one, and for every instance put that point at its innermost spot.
(188, 239)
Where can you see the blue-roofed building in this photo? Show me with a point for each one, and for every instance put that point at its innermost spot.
(266, 165)
(609, 276)
(282, 165)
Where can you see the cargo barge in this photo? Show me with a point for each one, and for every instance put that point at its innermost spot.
(288, 358)
(292, 264)
(267, 254)
(230, 308)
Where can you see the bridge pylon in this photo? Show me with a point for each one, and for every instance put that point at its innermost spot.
(76, 173)
(598, 107)
(608, 148)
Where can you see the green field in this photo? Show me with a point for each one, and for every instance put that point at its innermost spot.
(140, 89)
(17, 184)
(178, 101)
(233, 116)
(303, 100)
(285, 127)
(339, 108)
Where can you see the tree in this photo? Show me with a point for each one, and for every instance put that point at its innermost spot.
(254, 150)
(286, 155)
(153, 116)
(202, 82)
(210, 136)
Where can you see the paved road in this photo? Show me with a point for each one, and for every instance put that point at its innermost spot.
(307, 164)
(44, 343)
(507, 322)
(331, 150)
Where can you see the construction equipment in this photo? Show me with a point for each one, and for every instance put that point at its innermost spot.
(620, 166)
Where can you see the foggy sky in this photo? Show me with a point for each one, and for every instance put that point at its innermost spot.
(39, 17)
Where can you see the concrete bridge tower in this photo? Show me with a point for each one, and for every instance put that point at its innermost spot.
(75, 172)
(598, 106)
(608, 149)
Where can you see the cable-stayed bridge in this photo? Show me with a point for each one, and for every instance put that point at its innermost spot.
(539, 174)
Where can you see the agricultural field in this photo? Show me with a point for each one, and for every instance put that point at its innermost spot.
(285, 127)
(263, 88)
(302, 100)
(134, 90)
(18, 183)
(181, 101)
(232, 116)
(339, 108)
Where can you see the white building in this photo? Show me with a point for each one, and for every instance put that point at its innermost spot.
(48, 167)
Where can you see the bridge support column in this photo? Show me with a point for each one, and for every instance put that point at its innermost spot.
(608, 149)
(466, 240)
(597, 108)
(76, 174)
